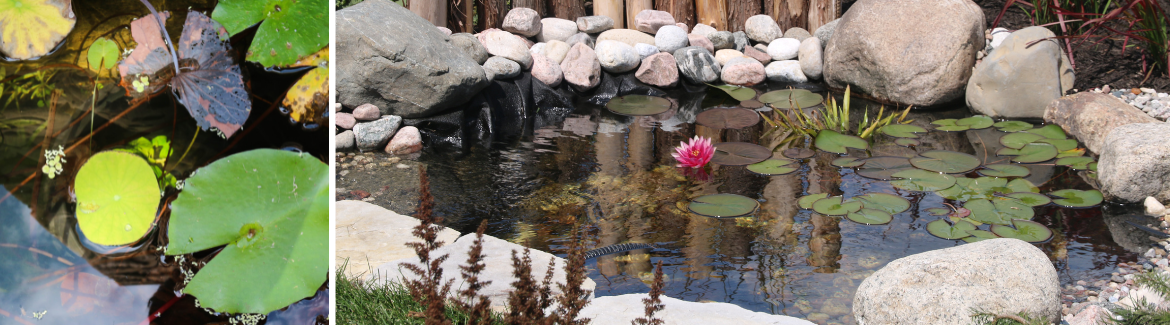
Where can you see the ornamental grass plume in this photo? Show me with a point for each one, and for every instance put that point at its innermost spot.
(694, 154)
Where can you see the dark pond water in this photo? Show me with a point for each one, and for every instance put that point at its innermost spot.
(614, 176)
(49, 274)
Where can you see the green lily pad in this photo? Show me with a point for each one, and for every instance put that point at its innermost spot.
(1026, 230)
(728, 118)
(289, 29)
(798, 153)
(117, 198)
(978, 235)
(1078, 163)
(949, 125)
(807, 201)
(1031, 153)
(888, 203)
(1031, 199)
(1004, 170)
(1013, 126)
(848, 162)
(1019, 139)
(976, 122)
(907, 142)
(945, 161)
(831, 141)
(938, 211)
(1093, 166)
(1021, 185)
(1051, 131)
(1071, 153)
(1060, 144)
(774, 166)
(967, 189)
(103, 53)
(870, 217)
(902, 130)
(999, 211)
(737, 92)
(271, 208)
(1077, 198)
(723, 205)
(788, 98)
(921, 180)
(945, 230)
(884, 167)
(642, 105)
(833, 206)
(739, 153)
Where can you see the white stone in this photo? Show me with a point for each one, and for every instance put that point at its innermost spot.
(501, 68)
(616, 57)
(998, 35)
(703, 29)
(762, 28)
(555, 50)
(785, 71)
(556, 29)
(722, 56)
(811, 57)
(507, 45)
(369, 235)
(1154, 208)
(670, 38)
(644, 50)
(784, 49)
(621, 310)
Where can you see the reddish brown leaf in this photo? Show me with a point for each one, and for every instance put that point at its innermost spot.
(141, 71)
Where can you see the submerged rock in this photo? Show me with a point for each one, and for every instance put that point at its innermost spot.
(999, 276)
(1019, 78)
(614, 310)
(1091, 116)
(1135, 162)
(697, 65)
(369, 235)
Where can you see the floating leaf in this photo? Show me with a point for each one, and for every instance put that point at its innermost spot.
(884, 167)
(308, 99)
(786, 98)
(1013, 126)
(967, 189)
(848, 162)
(148, 67)
(998, 210)
(1031, 153)
(806, 202)
(753, 104)
(976, 122)
(1004, 170)
(723, 205)
(1021, 185)
(103, 53)
(945, 161)
(907, 142)
(271, 208)
(978, 235)
(1060, 144)
(945, 230)
(798, 153)
(921, 180)
(117, 198)
(902, 130)
(1019, 139)
(289, 30)
(727, 118)
(833, 206)
(737, 92)
(1051, 131)
(1077, 198)
(739, 153)
(1071, 153)
(938, 211)
(1078, 163)
(774, 166)
(1031, 199)
(870, 217)
(1026, 230)
(640, 105)
(32, 28)
(1093, 166)
(889, 203)
(831, 141)
(949, 125)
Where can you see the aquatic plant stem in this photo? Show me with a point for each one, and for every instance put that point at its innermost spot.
(166, 36)
(189, 145)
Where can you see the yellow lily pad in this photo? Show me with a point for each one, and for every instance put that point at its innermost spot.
(32, 28)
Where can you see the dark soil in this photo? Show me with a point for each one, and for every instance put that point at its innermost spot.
(1095, 64)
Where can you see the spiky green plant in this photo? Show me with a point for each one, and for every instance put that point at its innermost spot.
(831, 116)
(1143, 312)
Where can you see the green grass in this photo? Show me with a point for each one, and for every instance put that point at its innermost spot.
(360, 302)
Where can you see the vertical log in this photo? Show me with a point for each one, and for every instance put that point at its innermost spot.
(537, 5)
(633, 7)
(459, 16)
(567, 9)
(788, 13)
(821, 12)
(434, 11)
(491, 13)
(614, 9)
(682, 10)
(738, 12)
(712, 12)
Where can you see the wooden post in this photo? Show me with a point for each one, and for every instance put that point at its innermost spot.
(434, 11)
(491, 13)
(712, 12)
(788, 13)
(738, 12)
(537, 5)
(567, 9)
(459, 16)
(682, 10)
(633, 7)
(614, 9)
(821, 12)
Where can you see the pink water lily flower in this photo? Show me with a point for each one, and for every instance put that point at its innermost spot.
(694, 154)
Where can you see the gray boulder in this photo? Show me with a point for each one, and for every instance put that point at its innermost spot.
(670, 38)
(501, 68)
(697, 65)
(594, 24)
(373, 135)
(580, 38)
(999, 276)
(470, 46)
(394, 59)
(762, 28)
(1091, 116)
(522, 21)
(825, 32)
(722, 40)
(811, 57)
(1135, 162)
(798, 33)
(741, 40)
(1018, 79)
(923, 61)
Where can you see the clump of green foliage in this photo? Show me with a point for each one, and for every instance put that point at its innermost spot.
(831, 116)
(156, 151)
(361, 303)
(29, 86)
(1145, 313)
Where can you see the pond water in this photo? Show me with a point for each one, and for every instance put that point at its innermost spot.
(615, 177)
(49, 272)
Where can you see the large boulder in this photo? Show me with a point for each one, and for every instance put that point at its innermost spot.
(999, 276)
(1135, 162)
(1020, 77)
(1091, 116)
(697, 65)
(369, 235)
(922, 61)
(394, 59)
(614, 310)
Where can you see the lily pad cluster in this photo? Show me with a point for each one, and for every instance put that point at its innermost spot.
(870, 209)
(778, 99)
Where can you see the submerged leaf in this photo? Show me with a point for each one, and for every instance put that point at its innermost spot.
(289, 29)
(727, 118)
(723, 205)
(32, 28)
(739, 153)
(737, 92)
(641, 105)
